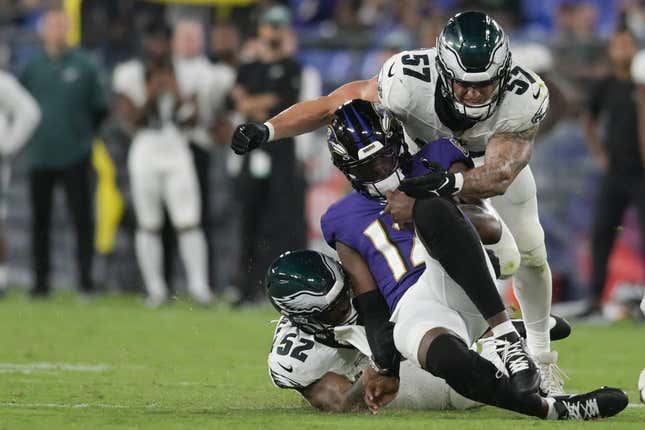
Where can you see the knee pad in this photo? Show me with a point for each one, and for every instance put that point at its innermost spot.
(508, 256)
(535, 257)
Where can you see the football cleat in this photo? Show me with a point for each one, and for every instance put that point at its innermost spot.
(521, 370)
(559, 328)
(601, 403)
(641, 386)
(156, 300)
(551, 376)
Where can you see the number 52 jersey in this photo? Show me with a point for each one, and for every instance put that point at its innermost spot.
(298, 360)
(408, 85)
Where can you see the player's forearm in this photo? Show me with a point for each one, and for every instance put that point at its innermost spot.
(490, 180)
(354, 398)
(506, 155)
(309, 115)
(301, 118)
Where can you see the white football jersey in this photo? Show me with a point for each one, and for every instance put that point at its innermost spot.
(638, 68)
(407, 85)
(297, 360)
(129, 80)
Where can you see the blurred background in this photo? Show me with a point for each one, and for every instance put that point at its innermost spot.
(331, 42)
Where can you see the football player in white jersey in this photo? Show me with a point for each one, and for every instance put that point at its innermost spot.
(469, 88)
(150, 105)
(321, 351)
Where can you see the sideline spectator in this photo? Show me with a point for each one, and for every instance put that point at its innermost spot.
(19, 116)
(208, 85)
(161, 168)
(66, 86)
(618, 154)
(271, 186)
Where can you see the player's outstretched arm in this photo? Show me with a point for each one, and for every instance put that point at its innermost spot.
(302, 117)
(335, 393)
(506, 155)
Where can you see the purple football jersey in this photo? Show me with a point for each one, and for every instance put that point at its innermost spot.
(392, 255)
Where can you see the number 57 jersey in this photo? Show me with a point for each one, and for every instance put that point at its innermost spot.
(409, 86)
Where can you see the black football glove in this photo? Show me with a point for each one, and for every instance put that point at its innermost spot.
(437, 182)
(249, 136)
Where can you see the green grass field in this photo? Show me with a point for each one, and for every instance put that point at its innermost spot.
(115, 364)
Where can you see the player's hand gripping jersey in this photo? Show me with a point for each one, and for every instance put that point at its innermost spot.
(395, 256)
(409, 86)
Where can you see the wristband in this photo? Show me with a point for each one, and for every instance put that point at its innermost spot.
(271, 129)
(459, 183)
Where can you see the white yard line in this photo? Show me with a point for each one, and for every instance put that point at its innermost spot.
(28, 368)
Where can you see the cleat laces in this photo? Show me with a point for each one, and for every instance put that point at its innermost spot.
(583, 410)
(512, 355)
(552, 379)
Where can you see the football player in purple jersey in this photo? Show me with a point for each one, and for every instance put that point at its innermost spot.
(409, 287)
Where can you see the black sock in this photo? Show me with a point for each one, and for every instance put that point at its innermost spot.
(476, 378)
(452, 240)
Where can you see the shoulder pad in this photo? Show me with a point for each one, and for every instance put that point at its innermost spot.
(525, 103)
(404, 77)
(296, 360)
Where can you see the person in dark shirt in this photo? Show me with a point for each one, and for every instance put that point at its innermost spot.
(67, 87)
(612, 103)
(271, 185)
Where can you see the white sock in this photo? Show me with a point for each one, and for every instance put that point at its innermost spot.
(533, 292)
(552, 413)
(192, 246)
(3, 277)
(503, 329)
(643, 304)
(149, 254)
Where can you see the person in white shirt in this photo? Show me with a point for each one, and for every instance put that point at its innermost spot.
(208, 84)
(19, 117)
(153, 106)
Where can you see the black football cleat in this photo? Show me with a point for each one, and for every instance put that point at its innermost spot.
(559, 327)
(522, 371)
(601, 403)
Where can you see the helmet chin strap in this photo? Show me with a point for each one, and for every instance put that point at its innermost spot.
(391, 183)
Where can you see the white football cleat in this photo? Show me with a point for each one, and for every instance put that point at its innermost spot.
(203, 297)
(552, 377)
(641, 386)
(154, 301)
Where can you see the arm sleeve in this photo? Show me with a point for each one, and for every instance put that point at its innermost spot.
(23, 110)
